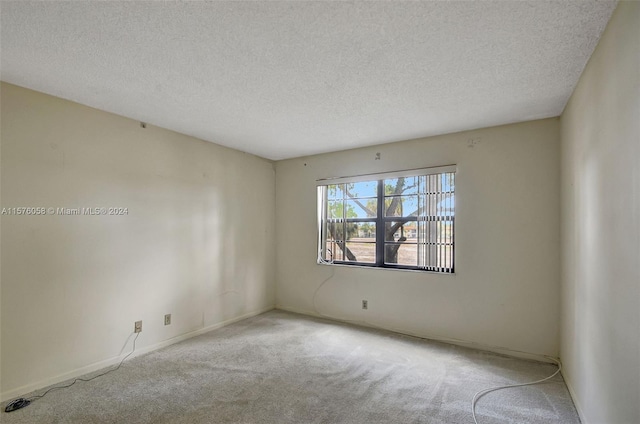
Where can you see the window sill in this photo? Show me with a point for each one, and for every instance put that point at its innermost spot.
(372, 267)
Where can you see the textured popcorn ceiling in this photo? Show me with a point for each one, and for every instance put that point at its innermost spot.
(287, 79)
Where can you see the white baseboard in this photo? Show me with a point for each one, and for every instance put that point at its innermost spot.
(574, 398)
(10, 394)
(464, 343)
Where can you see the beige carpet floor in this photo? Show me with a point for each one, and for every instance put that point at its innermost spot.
(280, 367)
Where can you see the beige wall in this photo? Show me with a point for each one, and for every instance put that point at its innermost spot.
(196, 243)
(506, 288)
(600, 130)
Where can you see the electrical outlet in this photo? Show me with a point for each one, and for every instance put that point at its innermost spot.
(167, 319)
(137, 327)
(365, 304)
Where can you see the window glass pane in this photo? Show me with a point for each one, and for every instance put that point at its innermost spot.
(401, 206)
(400, 230)
(431, 229)
(335, 231)
(447, 256)
(362, 252)
(445, 229)
(431, 208)
(335, 191)
(361, 231)
(352, 208)
(401, 254)
(360, 246)
(448, 182)
(362, 189)
(433, 256)
(333, 251)
(362, 208)
(411, 231)
(402, 185)
(422, 184)
(334, 241)
(446, 206)
(439, 190)
(335, 209)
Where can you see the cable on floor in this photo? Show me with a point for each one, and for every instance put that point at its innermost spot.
(23, 402)
(88, 379)
(481, 393)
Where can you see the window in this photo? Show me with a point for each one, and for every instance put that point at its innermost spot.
(394, 220)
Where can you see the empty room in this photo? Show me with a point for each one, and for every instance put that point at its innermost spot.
(320, 212)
